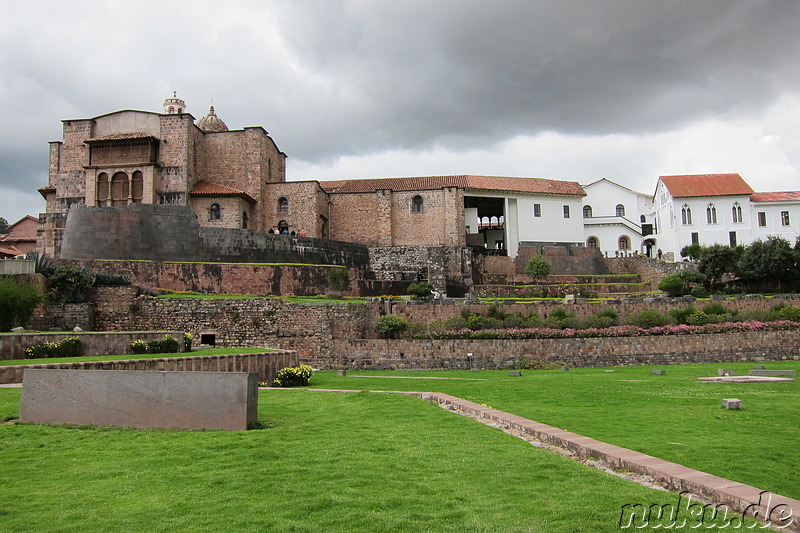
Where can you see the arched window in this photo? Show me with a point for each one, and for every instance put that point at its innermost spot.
(244, 220)
(137, 187)
(214, 213)
(686, 215)
(620, 210)
(624, 243)
(587, 211)
(283, 204)
(643, 219)
(736, 211)
(416, 204)
(102, 189)
(119, 189)
(591, 242)
(711, 214)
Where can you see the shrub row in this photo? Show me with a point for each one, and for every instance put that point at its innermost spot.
(615, 331)
(166, 344)
(67, 347)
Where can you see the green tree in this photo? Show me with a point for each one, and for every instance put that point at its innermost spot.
(693, 252)
(421, 290)
(716, 261)
(672, 285)
(768, 263)
(390, 326)
(538, 267)
(3, 225)
(17, 302)
(339, 279)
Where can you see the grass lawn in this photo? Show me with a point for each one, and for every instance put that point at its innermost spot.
(674, 417)
(86, 358)
(323, 462)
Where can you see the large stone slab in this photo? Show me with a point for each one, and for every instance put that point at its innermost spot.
(140, 399)
(773, 373)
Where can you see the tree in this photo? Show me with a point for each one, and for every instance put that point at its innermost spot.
(766, 261)
(538, 267)
(693, 252)
(716, 261)
(422, 290)
(672, 285)
(3, 225)
(339, 279)
(17, 302)
(390, 326)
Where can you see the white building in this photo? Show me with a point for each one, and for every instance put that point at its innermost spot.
(709, 209)
(617, 220)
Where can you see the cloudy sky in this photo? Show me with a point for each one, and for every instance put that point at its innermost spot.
(564, 89)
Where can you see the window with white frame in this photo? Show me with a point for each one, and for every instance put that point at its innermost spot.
(762, 219)
(620, 210)
(784, 218)
(686, 215)
(566, 211)
(736, 212)
(711, 214)
(537, 210)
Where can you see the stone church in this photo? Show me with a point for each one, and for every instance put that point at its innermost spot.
(236, 179)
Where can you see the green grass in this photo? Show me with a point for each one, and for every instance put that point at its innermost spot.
(323, 462)
(674, 417)
(86, 358)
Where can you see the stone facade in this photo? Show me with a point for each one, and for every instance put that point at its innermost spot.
(321, 333)
(383, 354)
(266, 365)
(94, 343)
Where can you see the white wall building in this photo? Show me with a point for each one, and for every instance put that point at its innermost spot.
(617, 220)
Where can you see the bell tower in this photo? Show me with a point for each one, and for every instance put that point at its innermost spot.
(174, 105)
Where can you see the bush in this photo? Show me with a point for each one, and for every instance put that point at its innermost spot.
(339, 279)
(698, 318)
(789, 313)
(421, 290)
(698, 291)
(390, 326)
(66, 347)
(43, 263)
(17, 302)
(139, 346)
(649, 318)
(70, 285)
(714, 309)
(293, 376)
(166, 344)
(187, 342)
(672, 285)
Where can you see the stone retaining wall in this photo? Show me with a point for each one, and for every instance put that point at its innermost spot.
(265, 364)
(399, 354)
(12, 346)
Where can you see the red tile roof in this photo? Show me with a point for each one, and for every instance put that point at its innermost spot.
(122, 137)
(786, 196)
(491, 183)
(47, 189)
(206, 188)
(706, 185)
(9, 251)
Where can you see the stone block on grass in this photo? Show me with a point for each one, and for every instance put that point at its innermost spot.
(140, 399)
(732, 403)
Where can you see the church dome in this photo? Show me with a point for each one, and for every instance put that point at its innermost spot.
(211, 122)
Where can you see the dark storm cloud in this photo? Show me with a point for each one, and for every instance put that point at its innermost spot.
(464, 72)
(334, 78)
